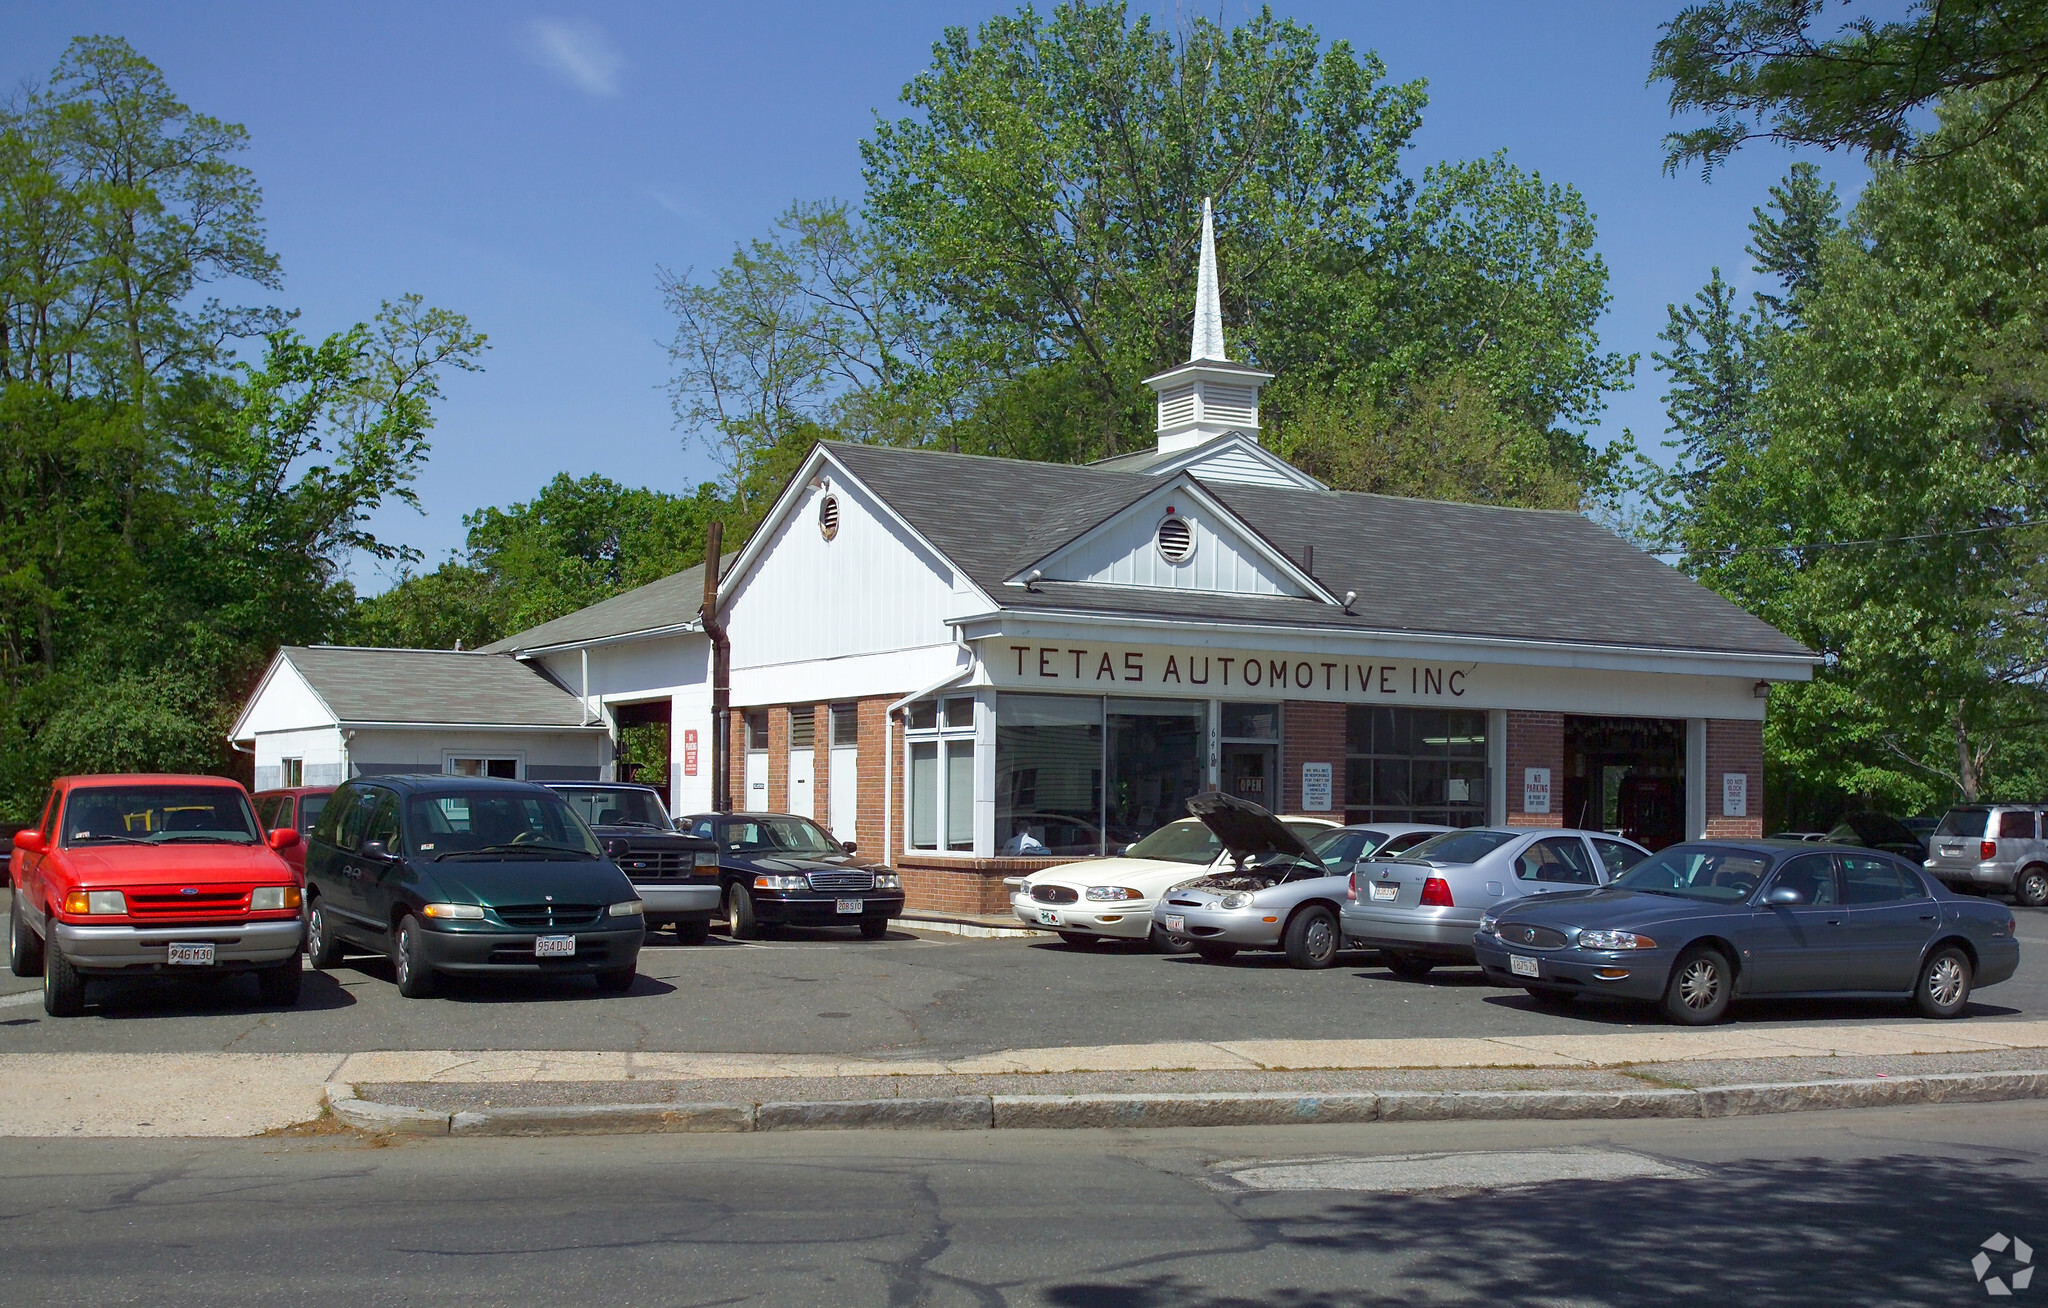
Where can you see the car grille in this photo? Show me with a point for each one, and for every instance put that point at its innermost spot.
(1185, 903)
(646, 864)
(1535, 937)
(842, 881)
(1055, 894)
(545, 916)
(204, 902)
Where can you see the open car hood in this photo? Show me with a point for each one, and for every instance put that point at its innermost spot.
(1245, 829)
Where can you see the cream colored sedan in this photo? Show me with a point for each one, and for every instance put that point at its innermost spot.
(1113, 898)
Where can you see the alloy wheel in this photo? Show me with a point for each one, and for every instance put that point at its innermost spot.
(401, 962)
(1945, 980)
(1700, 984)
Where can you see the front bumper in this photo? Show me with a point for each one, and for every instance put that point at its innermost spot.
(597, 950)
(795, 908)
(1438, 933)
(1248, 928)
(668, 899)
(1128, 920)
(1578, 971)
(236, 946)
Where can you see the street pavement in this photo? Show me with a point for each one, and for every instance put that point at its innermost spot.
(916, 994)
(1882, 1206)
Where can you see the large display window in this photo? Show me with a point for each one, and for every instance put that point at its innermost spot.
(1415, 765)
(1082, 775)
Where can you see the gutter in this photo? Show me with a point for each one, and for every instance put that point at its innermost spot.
(353, 725)
(647, 633)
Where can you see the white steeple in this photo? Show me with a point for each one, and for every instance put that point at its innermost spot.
(1208, 397)
(1208, 301)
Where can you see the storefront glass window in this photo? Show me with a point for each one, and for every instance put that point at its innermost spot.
(1155, 750)
(960, 793)
(924, 795)
(1048, 776)
(1415, 765)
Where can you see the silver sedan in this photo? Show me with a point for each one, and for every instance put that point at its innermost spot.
(1420, 908)
(1282, 902)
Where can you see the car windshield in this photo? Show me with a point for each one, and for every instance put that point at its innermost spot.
(1185, 841)
(495, 821)
(159, 815)
(601, 806)
(1725, 875)
(775, 835)
(1461, 846)
(1967, 822)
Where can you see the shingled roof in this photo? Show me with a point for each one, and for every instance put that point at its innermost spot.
(432, 687)
(670, 602)
(1419, 566)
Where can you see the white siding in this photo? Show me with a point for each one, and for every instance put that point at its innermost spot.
(284, 703)
(1123, 552)
(1235, 463)
(319, 747)
(424, 749)
(870, 589)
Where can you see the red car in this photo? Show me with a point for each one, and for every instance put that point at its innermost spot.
(125, 875)
(294, 809)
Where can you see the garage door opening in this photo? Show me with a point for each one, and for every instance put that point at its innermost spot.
(643, 743)
(1626, 776)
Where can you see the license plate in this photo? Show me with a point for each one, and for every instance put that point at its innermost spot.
(849, 906)
(192, 955)
(1521, 966)
(1048, 917)
(1385, 892)
(1951, 851)
(1177, 922)
(554, 947)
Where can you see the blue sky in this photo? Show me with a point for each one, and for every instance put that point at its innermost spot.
(533, 167)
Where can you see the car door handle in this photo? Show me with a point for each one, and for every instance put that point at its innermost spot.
(1929, 917)
(1834, 921)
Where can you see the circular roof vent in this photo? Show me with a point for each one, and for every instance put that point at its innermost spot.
(828, 516)
(1176, 540)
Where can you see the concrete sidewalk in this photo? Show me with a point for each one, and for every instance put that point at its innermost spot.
(229, 1094)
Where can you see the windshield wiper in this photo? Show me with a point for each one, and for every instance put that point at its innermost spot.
(112, 840)
(190, 838)
(523, 847)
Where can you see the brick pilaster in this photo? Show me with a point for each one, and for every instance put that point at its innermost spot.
(1535, 740)
(778, 759)
(1735, 747)
(1312, 731)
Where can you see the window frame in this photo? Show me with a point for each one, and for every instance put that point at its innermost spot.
(947, 740)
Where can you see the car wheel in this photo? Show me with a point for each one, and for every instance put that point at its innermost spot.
(1312, 938)
(616, 980)
(1944, 987)
(278, 986)
(1077, 939)
(1216, 951)
(1702, 986)
(693, 930)
(874, 928)
(24, 947)
(408, 961)
(322, 949)
(2032, 887)
(1412, 966)
(739, 911)
(1163, 942)
(1551, 998)
(63, 985)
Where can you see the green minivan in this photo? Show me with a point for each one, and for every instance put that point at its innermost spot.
(445, 874)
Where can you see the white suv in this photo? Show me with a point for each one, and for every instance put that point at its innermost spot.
(1993, 847)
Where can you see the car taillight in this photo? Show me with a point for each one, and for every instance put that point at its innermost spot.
(1987, 849)
(1436, 893)
(1351, 887)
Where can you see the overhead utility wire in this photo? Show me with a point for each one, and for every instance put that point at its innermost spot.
(1845, 544)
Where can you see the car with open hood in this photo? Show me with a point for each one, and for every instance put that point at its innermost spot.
(1279, 892)
(779, 869)
(1699, 925)
(139, 874)
(466, 875)
(674, 874)
(1419, 909)
(1115, 898)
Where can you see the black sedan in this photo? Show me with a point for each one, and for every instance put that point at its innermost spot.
(1703, 924)
(778, 869)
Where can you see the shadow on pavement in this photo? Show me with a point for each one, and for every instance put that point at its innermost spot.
(1793, 1232)
(158, 997)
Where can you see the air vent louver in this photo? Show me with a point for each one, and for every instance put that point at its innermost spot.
(1176, 540)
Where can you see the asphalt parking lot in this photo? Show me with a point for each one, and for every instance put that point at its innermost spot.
(916, 993)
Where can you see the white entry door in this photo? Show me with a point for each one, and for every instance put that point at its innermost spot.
(845, 791)
(756, 800)
(803, 767)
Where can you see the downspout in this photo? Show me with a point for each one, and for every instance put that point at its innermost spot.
(721, 673)
(889, 742)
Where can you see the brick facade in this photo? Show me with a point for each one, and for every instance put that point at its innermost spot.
(874, 779)
(1535, 740)
(1734, 746)
(1312, 731)
(778, 759)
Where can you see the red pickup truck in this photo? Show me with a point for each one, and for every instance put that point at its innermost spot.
(137, 874)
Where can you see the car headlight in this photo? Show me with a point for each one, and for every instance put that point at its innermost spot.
(1112, 894)
(706, 858)
(1605, 940)
(781, 883)
(96, 901)
(270, 898)
(629, 908)
(888, 881)
(458, 912)
(1239, 899)
(1487, 923)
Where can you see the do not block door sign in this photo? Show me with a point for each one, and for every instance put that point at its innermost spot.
(1535, 790)
(1734, 794)
(1316, 779)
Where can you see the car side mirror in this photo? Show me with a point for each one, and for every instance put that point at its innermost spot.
(615, 848)
(283, 838)
(849, 846)
(1785, 897)
(376, 849)
(29, 841)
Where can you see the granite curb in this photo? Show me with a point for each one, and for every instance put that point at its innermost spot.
(1252, 1108)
